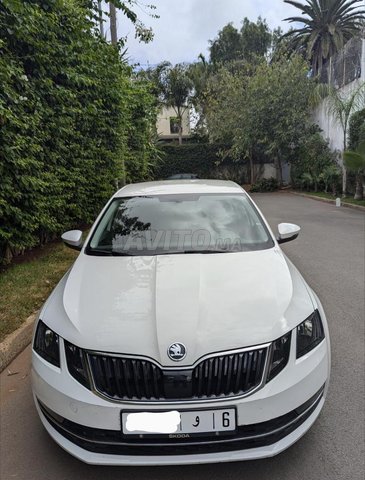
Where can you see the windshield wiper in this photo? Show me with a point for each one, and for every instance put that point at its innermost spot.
(109, 253)
(206, 251)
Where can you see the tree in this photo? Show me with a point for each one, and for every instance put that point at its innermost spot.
(328, 25)
(341, 106)
(226, 47)
(281, 46)
(275, 113)
(355, 161)
(200, 73)
(175, 89)
(253, 40)
(256, 38)
(264, 115)
(128, 8)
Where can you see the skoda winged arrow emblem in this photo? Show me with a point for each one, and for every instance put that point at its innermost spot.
(177, 352)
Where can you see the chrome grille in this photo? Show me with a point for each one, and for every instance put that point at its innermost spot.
(130, 379)
(228, 375)
(125, 378)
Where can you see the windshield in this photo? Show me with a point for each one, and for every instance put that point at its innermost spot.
(186, 223)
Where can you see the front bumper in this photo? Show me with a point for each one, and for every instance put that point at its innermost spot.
(103, 452)
(269, 420)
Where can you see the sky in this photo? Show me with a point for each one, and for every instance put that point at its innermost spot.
(185, 27)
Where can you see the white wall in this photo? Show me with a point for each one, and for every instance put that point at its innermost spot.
(163, 123)
(332, 130)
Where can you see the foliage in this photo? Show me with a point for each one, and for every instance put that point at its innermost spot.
(341, 106)
(67, 107)
(331, 177)
(265, 185)
(355, 162)
(200, 73)
(328, 25)
(226, 47)
(141, 153)
(253, 39)
(356, 129)
(128, 8)
(173, 87)
(264, 114)
(315, 164)
(204, 160)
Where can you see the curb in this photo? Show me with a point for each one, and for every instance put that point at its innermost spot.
(328, 200)
(15, 342)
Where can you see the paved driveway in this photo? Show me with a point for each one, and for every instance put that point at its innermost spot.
(330, 254)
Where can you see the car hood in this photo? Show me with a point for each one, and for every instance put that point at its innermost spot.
(208, 302)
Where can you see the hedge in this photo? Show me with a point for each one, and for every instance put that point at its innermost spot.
(203, 159)
(69, 107)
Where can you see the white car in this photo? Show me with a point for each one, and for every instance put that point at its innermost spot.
(182, 333)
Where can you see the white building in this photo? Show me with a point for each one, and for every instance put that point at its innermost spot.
(168, 126)
(347, 74)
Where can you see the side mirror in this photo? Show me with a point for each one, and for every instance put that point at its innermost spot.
(73, 239)
(287, 232)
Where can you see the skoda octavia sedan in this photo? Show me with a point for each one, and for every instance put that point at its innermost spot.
(182, 333)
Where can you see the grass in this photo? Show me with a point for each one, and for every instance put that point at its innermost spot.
(332, 197)
(24, 286)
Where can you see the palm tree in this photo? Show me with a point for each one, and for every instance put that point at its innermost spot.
(173, 88)
(176, 93)
(355, 161)
(328, 25)
(341, 106)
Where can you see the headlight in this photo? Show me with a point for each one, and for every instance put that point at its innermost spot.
(76, 364)
(309, 334)
(280, 351)
(46, 344)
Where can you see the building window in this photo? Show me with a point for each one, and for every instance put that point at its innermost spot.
(174, 125)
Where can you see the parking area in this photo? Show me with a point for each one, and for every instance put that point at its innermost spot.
(330, 254)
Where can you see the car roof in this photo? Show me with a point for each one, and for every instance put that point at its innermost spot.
(166, 187)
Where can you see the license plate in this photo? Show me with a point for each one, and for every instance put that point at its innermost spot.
(179, 422)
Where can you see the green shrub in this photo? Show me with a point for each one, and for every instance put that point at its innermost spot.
(356, 129)
(313, 157)
(71, 119)
(331, 177)
(265, 185)
(306, 181)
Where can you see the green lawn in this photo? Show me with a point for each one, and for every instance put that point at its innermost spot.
(332, 197)
(25, 286)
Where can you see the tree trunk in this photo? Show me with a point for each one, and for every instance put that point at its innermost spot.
(344, 180)
(252, 172)
(180, 130)
(113, 23)
(359, 193)
(344, 171)
(101, 23)
(279, 173)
